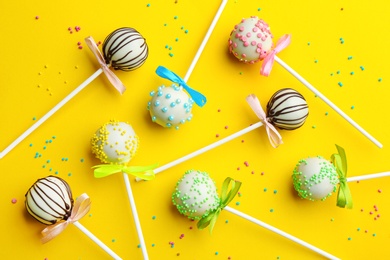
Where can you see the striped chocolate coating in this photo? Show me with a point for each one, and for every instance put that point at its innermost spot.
(49, 200)
(125, 49)
(287, 109)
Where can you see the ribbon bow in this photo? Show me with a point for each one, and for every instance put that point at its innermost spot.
(165, 73)
(80, 209)
(268, 62)
(273, 135)
(226, 198)
(115, 81)
(344, 197)
(143, 172)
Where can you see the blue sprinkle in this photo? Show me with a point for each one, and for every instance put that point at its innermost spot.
(31, 145)
(352, 73)
(340, 84)
(361, 67)
(44, 148)
(186, 31)
(147, 5)
(171, 54)
(352, 107)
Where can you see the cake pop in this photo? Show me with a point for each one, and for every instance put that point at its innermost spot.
(124, 49)
(49, 200)
(316, 178)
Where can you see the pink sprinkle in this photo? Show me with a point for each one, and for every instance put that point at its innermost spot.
(371, 213)
(258, 50)
(260, 45)
(242, 28)
(253, 172)
(235, 45)
(36, 17)
(219, 110)
(253, 43)
(191, 227)
(80, 47)
(238, 168)
(217, 135)
(259, 35)
(242, 141)
(378, 216)
(254, 29)
(366, 231)
(248, 34)
(78, 43)
(380, 191)
(262, 173)
(226, 127)
(243, 55)
(246, 163)
(69, 28)
(14, 201)
(246, 44)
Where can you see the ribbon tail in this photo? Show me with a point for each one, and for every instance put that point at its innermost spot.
(141, 172)
(52, 231)
(114, 80)
(273, 135)
(268, 64)
(198, 97)
(344, 197)
(105, 170)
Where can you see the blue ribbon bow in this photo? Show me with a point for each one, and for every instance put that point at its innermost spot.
(165, 73)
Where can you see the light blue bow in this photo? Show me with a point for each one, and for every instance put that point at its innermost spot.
(165, 73)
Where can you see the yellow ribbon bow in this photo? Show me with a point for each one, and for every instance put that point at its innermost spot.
(344, 197)
(79, 210)
(143, 172)
(226, 198)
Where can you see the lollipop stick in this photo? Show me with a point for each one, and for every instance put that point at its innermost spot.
(50, 113)
(206, 148)
(369, 176)
(135, 215)
(327, 101)
(205, 39)
(280, 232)
(96, 240)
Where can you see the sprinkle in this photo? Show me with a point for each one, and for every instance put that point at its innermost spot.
(175, 17)
(308, 43)
(362, 68)
(326, 113)
(31, 145)
(314, 127)
(217, 135)
(171, 54)
(13, 201)
(36, 17)
(352, 73)
(341, 40)
(349, 57)
(216, 253)
(186, 31)
(265, 189)
(246, 163)
(352, 107)
(380, 80)
(315, 61)
(226, 127)
(350, 238)
(258, 9)
(82, 160)
(271, 210)
(379, 191)
(237, 203)
(153, 245)
(275, 191)
(153, 217)
(148, 5)
(338, 72)
(113, 240)
(340, 84)
(177, 39)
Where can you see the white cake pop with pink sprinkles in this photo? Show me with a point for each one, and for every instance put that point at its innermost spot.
(251, 40)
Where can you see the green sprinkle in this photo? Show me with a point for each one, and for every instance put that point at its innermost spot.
(380, 80)
(340, 84)
(374, 235)
(238, 203)
(153, 245)
(258, 9)
(186, 31)
(153, 217)
(175, 17)
(352, 73)
(171, 54)
(34, 118)
(326, 113)
(275, 191)
(31, 145)
(113, 240)
(338, 72)
(352, 107)
(350, 238)
(226, 221)
(216, 253)
(315, 61)
(314, 127)
(349, 57)
(82, 160)
(265, 189)
(271, 210)
(147, 5)
(361, 67)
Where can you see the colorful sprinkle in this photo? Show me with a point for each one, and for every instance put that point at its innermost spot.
(13, 201)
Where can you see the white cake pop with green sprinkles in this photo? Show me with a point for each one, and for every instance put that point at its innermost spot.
(315, 178)
(195, 195)
(170, 106)
(115, 142)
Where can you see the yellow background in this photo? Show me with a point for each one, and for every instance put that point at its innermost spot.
(41, 64)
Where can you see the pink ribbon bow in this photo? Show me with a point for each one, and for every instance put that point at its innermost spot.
(273, 135)
(268, 62)
(80, 209)
(115, 81)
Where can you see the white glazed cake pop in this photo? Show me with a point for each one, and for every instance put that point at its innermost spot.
(315, 178)
(115, 142)
(195, 195)
(125, 49)
(287, 109)
(49, 200)
(251, 40)
(170, 106)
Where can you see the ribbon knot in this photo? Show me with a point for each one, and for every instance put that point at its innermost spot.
(80, 209)
(344, 197)
(115, 81)
(165, 73)
(273, 135)
(268, 62)
(143, 172)
(225, 199)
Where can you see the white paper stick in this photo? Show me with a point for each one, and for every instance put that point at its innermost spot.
(206, 148)
(135, 216)
(50, 113)
(205, 39)
(327, 101)
(280, 232)
(368, 176)
(96, 240)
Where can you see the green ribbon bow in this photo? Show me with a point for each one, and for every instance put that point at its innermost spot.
(226, 198)
(143, 172)
(344, 197)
